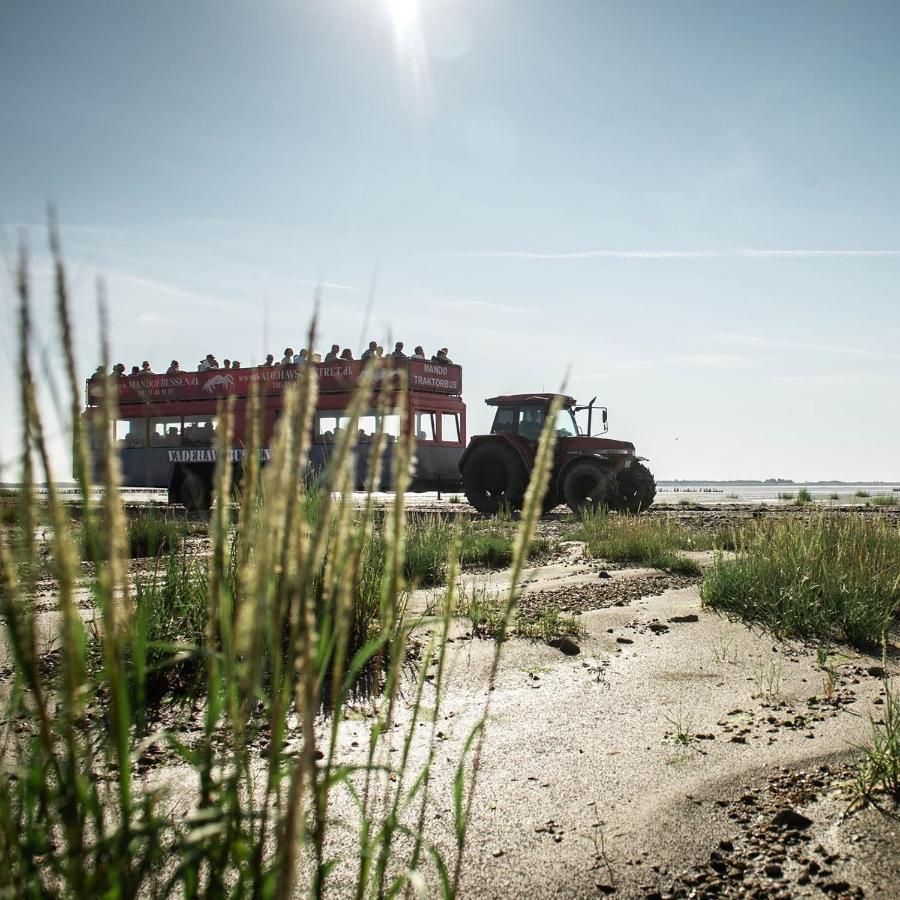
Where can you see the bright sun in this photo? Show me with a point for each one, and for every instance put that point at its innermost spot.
(405, 15)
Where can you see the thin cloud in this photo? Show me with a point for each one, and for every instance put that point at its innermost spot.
(676, 254)
(787, 344)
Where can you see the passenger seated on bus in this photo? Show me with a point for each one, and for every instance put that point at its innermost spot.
(235, 364)
(226, 364)
(398, 351)
(379, 352)
(362, 437)
(118, 370)
(208, 362)
(288, 358)
(316, 358)
(270, 361)
(301, 357)
(370, 353)
(332, 354)
(441, 357)
(135, 370)
(328, 437)
(145, 368)
(347, 355)
(174, 368)
(173, 436)
(100, 372)
(421, 436)
(419, 354)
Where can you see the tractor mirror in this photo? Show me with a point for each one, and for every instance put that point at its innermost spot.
(604, 416)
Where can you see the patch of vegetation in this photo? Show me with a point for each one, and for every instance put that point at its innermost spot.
(884, 500)
(862, 494)
(879, 772)
(834, 496)
(485, 611)
(832, 578)
(782, 495)
(803, 497)
(640, 541)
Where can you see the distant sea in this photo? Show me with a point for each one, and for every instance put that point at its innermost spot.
(754, 492)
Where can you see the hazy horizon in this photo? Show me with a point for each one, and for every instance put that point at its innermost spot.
(691, 209)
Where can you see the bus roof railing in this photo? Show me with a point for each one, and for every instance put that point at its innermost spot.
(340, 377)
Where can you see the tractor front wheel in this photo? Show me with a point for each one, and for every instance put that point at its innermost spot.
(590, 484)
(494, 476)
(637, 488)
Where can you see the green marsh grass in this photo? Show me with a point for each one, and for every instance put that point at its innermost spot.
(803, 497)
(835, 578)
(640, 541)
(878, 774)
(282, 620)
(884, 500)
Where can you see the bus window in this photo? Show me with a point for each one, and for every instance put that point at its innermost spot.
(165, 432)
(327, 426)
(95, 434)
(199, 431)
(130, 433)
(424, 426)
(450, 428)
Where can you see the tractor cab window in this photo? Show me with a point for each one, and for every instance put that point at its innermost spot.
(565, 425)
(531, 422)
(504, 421)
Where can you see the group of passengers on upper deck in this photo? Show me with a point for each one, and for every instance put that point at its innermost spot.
(335, 355)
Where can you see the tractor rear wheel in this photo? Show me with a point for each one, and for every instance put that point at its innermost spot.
(193, 490)
(494, 476)
(589, 485)
(637, 488)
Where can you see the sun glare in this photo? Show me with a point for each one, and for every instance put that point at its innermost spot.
(405, 15)
(412, 50)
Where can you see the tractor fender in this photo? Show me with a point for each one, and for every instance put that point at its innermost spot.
(522, 448)
(618, 461)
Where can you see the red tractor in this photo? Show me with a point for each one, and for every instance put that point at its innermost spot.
(588, 472)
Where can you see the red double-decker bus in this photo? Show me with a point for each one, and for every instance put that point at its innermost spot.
(165, 430)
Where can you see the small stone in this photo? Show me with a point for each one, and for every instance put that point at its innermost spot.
(689, 617)
(603, 574)
(565, 645)
(658, 627)
(791, 820)
(875, 671)
(773, 870)
(621, 640)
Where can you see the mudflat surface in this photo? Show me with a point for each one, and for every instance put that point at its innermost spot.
(667, 752)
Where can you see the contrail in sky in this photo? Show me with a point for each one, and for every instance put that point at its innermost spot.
(677, 254)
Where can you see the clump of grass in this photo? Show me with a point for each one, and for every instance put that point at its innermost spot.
(879, 772)
(785, 495)
(834, 496)
(884, 500)
(484, 610)
(803, 497)
(832, 579)
(862, 494)
(640, 541)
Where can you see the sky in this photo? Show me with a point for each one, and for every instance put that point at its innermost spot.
(689, 210)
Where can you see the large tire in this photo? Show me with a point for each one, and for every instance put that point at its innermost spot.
(637, 488)
(195, 490)
(494, 476)
(590, 484)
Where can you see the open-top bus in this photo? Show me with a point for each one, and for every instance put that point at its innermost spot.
(165, 428)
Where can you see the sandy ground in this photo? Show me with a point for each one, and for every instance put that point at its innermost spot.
(656, 761)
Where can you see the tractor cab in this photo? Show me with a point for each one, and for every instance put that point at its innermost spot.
(525, 414)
